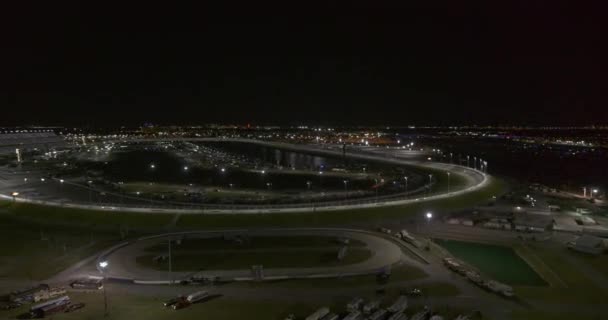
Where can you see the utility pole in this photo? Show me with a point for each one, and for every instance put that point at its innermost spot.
(170, 264)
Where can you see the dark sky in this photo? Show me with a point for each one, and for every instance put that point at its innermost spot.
(407, 62)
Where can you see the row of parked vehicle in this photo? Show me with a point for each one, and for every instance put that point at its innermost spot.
(359, 309)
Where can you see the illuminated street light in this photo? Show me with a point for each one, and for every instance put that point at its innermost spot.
(42, 179)
(346, 187)
(103, 265)
(429, 215)
(152, 166)
(223, 170)
(61, 181)
(448, 182)
(186, 168)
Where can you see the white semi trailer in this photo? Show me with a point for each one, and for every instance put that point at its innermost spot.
(319, 314)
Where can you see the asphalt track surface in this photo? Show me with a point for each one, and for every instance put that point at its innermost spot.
(475, 179)
(385, 253)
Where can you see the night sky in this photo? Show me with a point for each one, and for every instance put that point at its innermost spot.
(419, 62)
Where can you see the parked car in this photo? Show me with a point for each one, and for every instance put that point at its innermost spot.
(74, 307)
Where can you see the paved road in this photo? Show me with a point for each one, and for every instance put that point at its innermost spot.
(475, 180)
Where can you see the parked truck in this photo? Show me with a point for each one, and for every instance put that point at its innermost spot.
(371, 306)
(378, 314)
(49, 294)
(197, 296)
(44, 309)
(319, 314)
(398, 316)
(399, 305)
(355, 315)
(354, 305)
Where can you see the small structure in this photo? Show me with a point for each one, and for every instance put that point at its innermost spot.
(587, 244)
(530, 222)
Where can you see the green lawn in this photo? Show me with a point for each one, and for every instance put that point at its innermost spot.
(32, 251)
(497, 262)
(580, 287)
(238, 259)
(91, 218)
(599, 263)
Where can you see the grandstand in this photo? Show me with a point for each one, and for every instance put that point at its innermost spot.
(29, 140)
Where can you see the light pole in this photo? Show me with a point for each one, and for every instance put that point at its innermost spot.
(346, 188)
(170, 263)
(448, 182)
(430, 182)
(584, 192)
(102, 267)
(468, 165)
(15, 194)
(450, 157)
(405, 184)
(321, 180)
(90, 191)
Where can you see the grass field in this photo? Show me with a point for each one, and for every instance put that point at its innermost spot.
(580, 287)
(255, 242)
(32, 251)
(239, 259)
(497, 262)
(599, 263)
